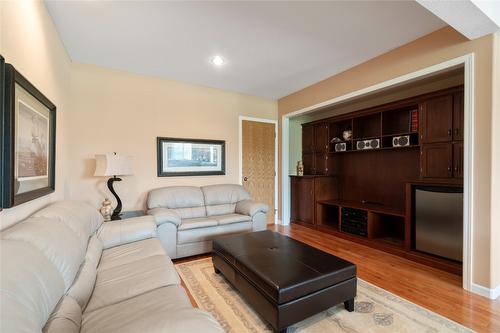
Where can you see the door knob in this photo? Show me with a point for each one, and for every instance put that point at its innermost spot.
(245, 179)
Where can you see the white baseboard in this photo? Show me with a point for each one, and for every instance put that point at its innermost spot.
(486, 292)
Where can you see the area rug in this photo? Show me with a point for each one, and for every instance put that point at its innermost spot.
(375, 310)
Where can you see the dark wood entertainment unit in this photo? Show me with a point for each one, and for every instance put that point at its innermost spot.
(375, 185)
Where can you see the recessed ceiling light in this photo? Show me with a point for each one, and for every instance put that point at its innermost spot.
(217, 61)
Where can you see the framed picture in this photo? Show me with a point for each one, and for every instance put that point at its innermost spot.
(29, 138)
(2, 96)
(190, 157)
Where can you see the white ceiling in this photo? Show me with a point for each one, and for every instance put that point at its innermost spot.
(272, 48)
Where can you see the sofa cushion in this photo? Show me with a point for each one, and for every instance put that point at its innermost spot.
(84, 284)
(187, 201)
(166, 309)
(114, 233)
(55, 240)
(201, 222)
(30, 287)
(94, 251)
(122, 282)
(80, 217)
(209, 233)
(222, 209)
(221, 199)
(231, 218)
(66, 318)
(130, 252)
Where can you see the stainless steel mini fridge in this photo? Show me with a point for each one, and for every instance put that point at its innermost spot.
(439, 221)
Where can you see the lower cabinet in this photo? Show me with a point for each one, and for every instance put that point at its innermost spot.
(442, 160)
(302, 203)
(458, 159)
(436, 160)
(305, 192)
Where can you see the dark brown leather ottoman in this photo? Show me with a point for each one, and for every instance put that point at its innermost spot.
(285, 281)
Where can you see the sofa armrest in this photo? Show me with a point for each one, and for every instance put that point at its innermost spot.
(250, 207)
(164, 215)
(114, 233)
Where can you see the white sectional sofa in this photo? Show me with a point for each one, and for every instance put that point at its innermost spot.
(190, 217)
(64, 271)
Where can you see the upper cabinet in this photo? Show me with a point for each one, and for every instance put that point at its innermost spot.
(442, 150)
(437, 119)
(458, 116)
(321, 138)
(432, 123)
(315, 148)
(307, 138)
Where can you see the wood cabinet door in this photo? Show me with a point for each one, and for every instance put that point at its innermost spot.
(458, 159)
(320, 164)
(308, 139)
(437, 119)
(458, 116)
(321, 138)
(436, 160)
(302, 200)
(308, 161)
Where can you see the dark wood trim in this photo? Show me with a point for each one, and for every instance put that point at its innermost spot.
(12, 76)
(159, 157)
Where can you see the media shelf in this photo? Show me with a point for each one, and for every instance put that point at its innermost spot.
(419, 139)
(371, 221)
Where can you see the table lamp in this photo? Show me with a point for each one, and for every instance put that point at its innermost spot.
(113, 165)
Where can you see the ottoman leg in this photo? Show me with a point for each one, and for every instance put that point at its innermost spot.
(349, 305)
(216, 270)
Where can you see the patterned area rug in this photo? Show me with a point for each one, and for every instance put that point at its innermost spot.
(375, 310)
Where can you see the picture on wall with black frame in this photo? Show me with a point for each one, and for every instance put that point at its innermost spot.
(28, 143)
(190, 157)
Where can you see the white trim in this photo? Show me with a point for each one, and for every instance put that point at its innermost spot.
(285, 185)
(240, 155)
(486, 292)
(468, 62)
(467, 248)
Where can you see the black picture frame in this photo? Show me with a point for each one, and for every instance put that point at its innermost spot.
(161, 172)
(2, 98)
(11, 185)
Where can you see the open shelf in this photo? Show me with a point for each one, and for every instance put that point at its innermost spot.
(367, 126)
(374, 207)
(400, 120)
(388, 228)
(328, 216)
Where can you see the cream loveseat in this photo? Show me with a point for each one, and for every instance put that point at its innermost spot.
(189, 218)
(64, 271)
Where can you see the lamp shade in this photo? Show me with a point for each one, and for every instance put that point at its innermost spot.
(113, 165)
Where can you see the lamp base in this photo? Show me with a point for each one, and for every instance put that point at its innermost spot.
(118, 209)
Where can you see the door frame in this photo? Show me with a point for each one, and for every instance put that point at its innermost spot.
(240, 155)
(467, 61)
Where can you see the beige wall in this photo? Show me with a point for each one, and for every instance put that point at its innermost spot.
(29, 41)
(432, 49)
(122, 112)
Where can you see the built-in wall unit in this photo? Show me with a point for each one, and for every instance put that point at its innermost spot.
(388, 173)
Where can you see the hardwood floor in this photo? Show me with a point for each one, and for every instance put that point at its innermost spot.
(431, 288)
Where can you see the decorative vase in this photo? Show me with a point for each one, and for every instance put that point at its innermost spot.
(347, 135)
(300, 168)
(106, 210)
